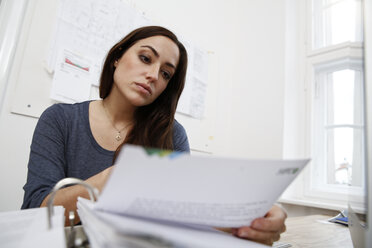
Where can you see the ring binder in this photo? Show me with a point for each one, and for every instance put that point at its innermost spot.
(71, 236)
(93, 193)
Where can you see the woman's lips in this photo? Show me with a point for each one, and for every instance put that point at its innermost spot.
(144, 88)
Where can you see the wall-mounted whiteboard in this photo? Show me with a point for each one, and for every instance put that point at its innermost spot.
(52, 37)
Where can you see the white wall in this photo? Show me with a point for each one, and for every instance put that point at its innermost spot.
(15, 131)
(258, 80)
(247, 38)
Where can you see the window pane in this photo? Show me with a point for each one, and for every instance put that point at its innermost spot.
(341, 97)
(342, 142)
(341, 22)
(336, 21)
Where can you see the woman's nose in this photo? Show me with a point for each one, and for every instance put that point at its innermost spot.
(153, 73)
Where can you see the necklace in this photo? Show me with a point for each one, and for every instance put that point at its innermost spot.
(118, 134)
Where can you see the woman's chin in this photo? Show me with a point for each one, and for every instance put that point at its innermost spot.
(140, 102)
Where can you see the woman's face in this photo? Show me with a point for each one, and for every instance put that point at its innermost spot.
(144, 70)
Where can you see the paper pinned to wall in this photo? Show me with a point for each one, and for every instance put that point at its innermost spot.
(199, 91)
(200, 64)
(71, 81)
(192, 101)
(90, 28)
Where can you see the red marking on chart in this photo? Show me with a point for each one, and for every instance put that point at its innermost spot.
(77, 65)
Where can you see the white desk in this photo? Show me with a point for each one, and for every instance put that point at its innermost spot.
(306, 231)
(313, 231)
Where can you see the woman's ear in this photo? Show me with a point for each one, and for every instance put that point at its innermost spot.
(115, 63)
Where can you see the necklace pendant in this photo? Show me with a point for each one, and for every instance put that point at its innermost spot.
(118, 137)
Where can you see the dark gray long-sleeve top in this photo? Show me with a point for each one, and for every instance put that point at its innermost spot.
(63, 146)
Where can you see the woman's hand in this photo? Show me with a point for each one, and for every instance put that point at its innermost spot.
(67, 197)
(265, 230)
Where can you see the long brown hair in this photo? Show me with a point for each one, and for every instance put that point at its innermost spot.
(153, 123)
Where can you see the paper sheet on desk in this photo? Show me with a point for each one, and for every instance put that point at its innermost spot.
(29, 228)
(196, 190)
(111, 230)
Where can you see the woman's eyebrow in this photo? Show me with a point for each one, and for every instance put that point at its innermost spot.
(157, 55)
(153, 50)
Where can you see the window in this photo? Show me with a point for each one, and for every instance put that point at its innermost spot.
(324, 102)
(336, 21)
(335, 61)
(338, 124)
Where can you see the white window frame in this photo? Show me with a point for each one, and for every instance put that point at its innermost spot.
(11, 17)
(317, 186)
(319, 101)
(303, 191)
(320, 21)
(348, 55)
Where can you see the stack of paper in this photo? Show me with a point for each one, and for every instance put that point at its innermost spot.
(170, 199)
(29, 228)
(112, 230)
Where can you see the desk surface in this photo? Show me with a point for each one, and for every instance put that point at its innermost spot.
(305, 231)
(314, 231)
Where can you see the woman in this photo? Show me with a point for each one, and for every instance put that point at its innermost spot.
(142, 79)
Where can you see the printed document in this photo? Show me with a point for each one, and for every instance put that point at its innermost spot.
(208, 191)
(112, 230)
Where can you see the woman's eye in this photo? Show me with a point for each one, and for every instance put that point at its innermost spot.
(166, 75)
(145, 59)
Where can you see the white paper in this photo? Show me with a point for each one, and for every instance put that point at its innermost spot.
(184, 101)
(28, 228)
(198, 96)
(71, 81)
(192, 100)
(200, 64)
(209, 191)
(110, 230)
(90, 28)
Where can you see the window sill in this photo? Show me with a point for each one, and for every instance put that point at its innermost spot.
(357, 45)
(320, 203)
